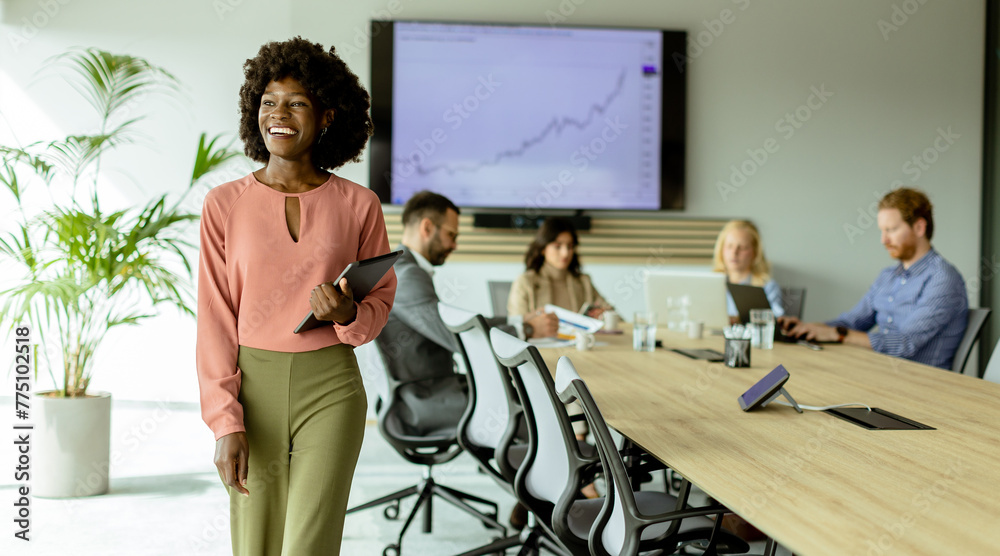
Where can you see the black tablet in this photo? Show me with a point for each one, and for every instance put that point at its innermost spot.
(362, 277)
(710, 355)
(765, 389)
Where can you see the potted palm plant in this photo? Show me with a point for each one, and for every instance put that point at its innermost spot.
(85, 270)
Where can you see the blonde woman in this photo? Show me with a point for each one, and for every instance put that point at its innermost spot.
(739, 254)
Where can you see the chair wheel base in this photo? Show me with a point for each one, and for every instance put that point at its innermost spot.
(391, 512)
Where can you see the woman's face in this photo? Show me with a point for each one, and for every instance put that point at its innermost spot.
(290, 119)
(559, 253)
(737, 251)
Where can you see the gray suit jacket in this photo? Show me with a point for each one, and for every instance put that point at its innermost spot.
(417, 345)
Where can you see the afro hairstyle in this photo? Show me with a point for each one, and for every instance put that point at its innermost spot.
(329, 80)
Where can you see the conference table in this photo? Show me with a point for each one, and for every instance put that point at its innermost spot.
(817, 484)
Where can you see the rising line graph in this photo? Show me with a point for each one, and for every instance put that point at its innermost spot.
(554, 127)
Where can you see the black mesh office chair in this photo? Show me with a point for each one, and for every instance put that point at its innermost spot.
(488, 430)
(977, 318)
(632, 521)
(793, 301)
(549, 480)
(427, 448)
(499, 292)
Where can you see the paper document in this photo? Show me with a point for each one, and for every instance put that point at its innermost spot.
(543, 343)
(570, 322)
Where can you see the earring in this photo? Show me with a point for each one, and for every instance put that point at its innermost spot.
(322, 132)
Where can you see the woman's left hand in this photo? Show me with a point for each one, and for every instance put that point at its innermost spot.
(329, 303)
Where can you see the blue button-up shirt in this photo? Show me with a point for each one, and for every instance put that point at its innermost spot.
(921, 311)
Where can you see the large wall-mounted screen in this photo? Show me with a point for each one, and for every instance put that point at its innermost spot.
(514, 116)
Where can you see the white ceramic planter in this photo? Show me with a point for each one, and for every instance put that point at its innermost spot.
(71, 445)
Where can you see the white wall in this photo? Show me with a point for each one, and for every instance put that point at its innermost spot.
(899, 72)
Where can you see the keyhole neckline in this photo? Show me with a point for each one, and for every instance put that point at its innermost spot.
(290, 194)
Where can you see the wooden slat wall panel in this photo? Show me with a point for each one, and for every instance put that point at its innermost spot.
(610, 240)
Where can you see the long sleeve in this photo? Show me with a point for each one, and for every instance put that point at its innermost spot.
(373, 311)
(773, 292)
(862, 316)
(943, 297)
(217, 340)
(519, 301)
(255, 279)
(921, 311)
(419, 310)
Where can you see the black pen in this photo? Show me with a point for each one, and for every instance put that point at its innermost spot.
(810, 345)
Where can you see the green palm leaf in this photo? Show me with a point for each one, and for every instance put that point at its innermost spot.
(75, 153)
(209, 156)
(10, 157)
(87, 270)
(109, 81)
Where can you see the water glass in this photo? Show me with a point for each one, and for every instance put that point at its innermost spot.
(673, 316)
(644, 331)
(762, 321)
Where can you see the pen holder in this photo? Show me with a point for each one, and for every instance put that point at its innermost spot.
(737, 352)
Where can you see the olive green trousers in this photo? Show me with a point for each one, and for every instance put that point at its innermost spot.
(304, 415)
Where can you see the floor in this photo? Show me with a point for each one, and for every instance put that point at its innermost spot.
(166, 498)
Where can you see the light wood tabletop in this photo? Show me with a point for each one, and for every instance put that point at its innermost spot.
(817, 484)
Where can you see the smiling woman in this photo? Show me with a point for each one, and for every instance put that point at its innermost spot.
(269, 244)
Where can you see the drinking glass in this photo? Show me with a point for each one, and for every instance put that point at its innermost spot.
(644, 331)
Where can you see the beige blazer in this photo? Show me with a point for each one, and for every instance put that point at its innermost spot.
(533, 291)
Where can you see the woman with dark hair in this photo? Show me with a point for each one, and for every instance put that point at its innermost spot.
(288, 410)
(553, 275)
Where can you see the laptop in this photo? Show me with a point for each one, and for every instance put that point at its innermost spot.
(748, 298)
(704, 289)
(754, 297)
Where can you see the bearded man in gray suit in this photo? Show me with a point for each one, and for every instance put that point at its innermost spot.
(417, 346)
